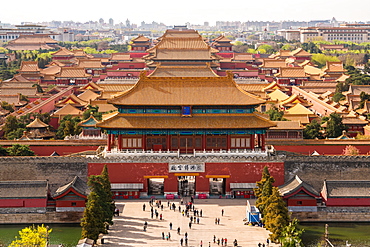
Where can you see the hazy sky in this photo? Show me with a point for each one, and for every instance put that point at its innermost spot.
(179, 12)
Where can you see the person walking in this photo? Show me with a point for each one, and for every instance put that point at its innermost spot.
(214, 238)
(218, 241)
(225, 241)
(218, 221)
(186, 234)
(178, 230)
(190, 224)
(222, 212)
(181, 241)
(160, 217)
(201, 243)
(170, 225)
(222, 241)
(169, 236)
(198, 220)
(201, 213)
(186, 241)
(162, 235)
(144, 207)
(235, 243)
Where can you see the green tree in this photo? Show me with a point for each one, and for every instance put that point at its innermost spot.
(3, 151)
(98, 185)
(94, 110)
(32, 236)
(68, 126)
(92, 222)
(321, 59)
(275, 114)
(312, 130)
(6, 106)
(20, 150)
(276, 217)
(38, 87)
(108, 192)
(335, 126)
(338, 97)
(264, 189)
(291, 235)
(265, 49)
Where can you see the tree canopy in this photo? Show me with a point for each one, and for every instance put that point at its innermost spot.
(312, 130)
(335, 126)
(32, 236)
(99, 208)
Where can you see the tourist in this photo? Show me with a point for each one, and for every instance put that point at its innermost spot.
(198, 220)
(235, 242)
(169, 236)
(201, 213)
(218, 221)
(214, 238)
(190, 224)
(162, 235)
(225, 241)
(181, 241)
(160, 217)
(186, 234)
(170, 225)
(222, 212)
(201, 243)
(218, 241)
(178, 230)
(186, 241)
(144, 207)
(222, 241)
(259, 245)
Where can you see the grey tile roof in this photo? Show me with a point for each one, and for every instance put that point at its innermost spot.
(348, 188)
(295, 184)
(23, 189)
(77, 183)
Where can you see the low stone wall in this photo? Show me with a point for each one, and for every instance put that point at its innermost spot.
(46, 218)
(335, 214)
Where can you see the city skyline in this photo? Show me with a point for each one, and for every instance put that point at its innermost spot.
(194, 12)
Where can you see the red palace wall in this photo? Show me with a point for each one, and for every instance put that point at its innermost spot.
(344, 202)
(26, 203)
(248, 172)
(321, 149)
(69, 203)
(304, 202)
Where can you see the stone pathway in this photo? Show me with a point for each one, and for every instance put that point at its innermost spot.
(128, 227)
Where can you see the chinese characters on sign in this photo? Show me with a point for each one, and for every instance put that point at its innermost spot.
(186, 168)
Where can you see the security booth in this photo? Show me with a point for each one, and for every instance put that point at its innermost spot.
(126, 190)
(242, 190)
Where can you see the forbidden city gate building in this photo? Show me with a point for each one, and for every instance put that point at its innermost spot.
(183, 130)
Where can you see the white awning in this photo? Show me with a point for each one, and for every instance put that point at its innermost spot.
(127, 186)
(243, 185)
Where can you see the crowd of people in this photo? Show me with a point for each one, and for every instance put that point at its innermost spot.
(187, 210)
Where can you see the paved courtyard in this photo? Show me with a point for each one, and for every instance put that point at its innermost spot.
(128, 227)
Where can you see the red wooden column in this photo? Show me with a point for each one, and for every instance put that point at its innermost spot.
(228, 142)
(112, 139)
(168, 142)
(258, 140)
(204, 142)
(263, 142)
(119, 142)
(143, 142)
(109, 142)
(252, 141)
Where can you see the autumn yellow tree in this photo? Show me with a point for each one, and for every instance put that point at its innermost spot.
(32, 236)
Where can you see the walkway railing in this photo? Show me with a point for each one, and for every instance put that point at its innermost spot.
(205, 153)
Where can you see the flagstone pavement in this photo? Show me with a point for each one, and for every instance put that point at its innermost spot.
(128, 226)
